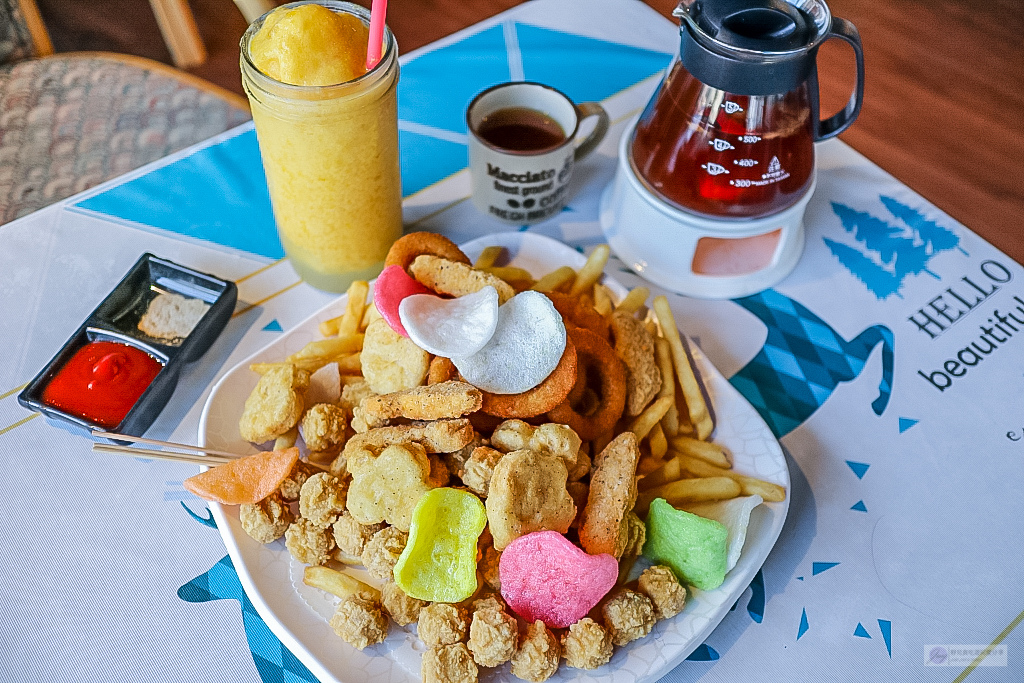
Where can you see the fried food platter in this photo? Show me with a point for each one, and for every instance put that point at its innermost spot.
(298, 615)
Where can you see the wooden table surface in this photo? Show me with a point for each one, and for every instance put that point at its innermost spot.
(943, 104)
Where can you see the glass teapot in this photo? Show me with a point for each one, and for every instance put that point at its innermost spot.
(730, 132)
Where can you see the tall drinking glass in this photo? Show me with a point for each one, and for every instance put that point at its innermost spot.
(331, 158)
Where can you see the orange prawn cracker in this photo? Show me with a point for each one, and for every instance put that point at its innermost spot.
(247, 480)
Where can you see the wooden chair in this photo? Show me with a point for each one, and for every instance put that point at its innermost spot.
(71, 121)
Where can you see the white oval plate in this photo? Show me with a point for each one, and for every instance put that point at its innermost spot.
(299, 615)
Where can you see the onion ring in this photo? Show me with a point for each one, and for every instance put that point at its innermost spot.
(405, 250)
(543, 397)
(580, 312)
(597, 354)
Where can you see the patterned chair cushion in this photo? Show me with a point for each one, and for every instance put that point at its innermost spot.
(15, 39)
(69, 122)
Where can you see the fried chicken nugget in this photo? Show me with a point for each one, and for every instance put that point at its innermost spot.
(603, 527)
(635, 346)
(322, 498)
(360, 622)
(323, 427)
(442, 623)
(309, 543)
(492, 633)
(391, 362)
(456, 279)
(351, 537)
(432, 402)
(478, 470)
(267, 520)
(628, 615)
(537, 657)
(527, 493)
(439, 436)
(403, 608)
(660, 585)
(382, 552)
(587, 645)
(275, 405)
(448, 664)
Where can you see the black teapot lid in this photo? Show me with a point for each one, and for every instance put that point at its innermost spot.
(752, 47)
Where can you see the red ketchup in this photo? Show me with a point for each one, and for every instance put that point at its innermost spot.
(102, 382)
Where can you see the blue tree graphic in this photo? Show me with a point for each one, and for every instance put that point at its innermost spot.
(900, 250)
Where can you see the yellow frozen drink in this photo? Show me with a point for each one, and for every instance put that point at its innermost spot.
(328, 135)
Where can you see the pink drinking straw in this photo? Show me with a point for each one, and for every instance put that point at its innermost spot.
(378, 11)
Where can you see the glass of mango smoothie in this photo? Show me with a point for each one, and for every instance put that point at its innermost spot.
(328, 135)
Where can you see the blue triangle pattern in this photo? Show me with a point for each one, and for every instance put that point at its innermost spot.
(861, 632)
(802, 629)
(859, 506)
(859, 468)
(886, 627)
(703, 653)
(906, 423)
(273, 326)
(819, 567)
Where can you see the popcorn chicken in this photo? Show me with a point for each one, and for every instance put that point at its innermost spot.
(442, 624)
(476, 474)
(403, 608)
(309, 543)
(587, 645)
(456, 279)
(275, 405)
(267, 520)
(612, 494)
(322, 499)
(351, 537)
(548, 439)
(457, 461)
(527, 493)
(628, 616)
(354, 394)
(660, 585)
(323, 427)
(537, 657)
(635, 346)
(381, 553)
(391, 362)
(433, 402)
(388, 486)
(440, 436)
(360, 622)
(448, 664)
(291, 487)
(492, 633)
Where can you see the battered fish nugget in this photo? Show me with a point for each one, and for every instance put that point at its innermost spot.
(442, 623)
(603, 526)
(267, 520)
(587, 645)
(635, 346)
(323, 427)
(391, 362)
(628, 616)
(440, 436)
(456, 279)
(275, 405)
(527, 493)
(403, 608)
(537, 657)
(448, 664)
(388, 486)
(433, 402)
(360, 622)
(660, 585)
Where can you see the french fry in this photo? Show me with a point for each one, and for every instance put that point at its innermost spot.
(657, 441)
(337, 583)
(357, 293)
(329, 328)
(707, 451)
(688, 491)
(603, 300)
(700, 416)
(555, 280)
(350, 364)
(633, 301)
(643, 423)
(369, 315)
(667, 473)
(286, 440)
(772, 493)
(591, 271)
(310, 365)
(488, 257)
(345, 558)
(328, 349)
(663, 353)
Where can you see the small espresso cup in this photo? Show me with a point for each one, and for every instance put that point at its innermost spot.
(522, 148)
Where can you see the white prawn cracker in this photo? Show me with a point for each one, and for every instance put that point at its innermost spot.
(450, 327)
(734, 514)
(527, 344)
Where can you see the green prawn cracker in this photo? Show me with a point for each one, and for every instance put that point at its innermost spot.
(694, 547)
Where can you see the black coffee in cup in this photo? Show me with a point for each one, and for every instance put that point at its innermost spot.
(521, 129)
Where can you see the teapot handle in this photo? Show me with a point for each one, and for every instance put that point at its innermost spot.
(837, 123)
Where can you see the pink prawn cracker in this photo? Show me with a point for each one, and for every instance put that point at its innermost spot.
(544, 576)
